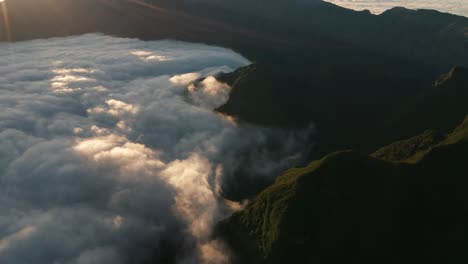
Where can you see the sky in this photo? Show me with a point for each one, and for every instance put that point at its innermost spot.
(110, 151)
(459, 7)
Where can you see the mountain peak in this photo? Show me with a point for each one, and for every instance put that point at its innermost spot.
(398, 10)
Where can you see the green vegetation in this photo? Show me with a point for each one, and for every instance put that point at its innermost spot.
(353, 208)
(460, 134)
(405, 149)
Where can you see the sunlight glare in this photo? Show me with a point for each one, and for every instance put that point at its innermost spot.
(4, 17)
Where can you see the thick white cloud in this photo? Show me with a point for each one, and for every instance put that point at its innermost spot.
(110, 151)
(459, 7)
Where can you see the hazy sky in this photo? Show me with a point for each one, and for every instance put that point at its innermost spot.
(459, 7)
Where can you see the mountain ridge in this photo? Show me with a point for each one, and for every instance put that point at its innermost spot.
(350, 207)
(350, 112)
(322, 26)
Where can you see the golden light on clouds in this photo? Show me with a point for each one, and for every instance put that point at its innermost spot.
(109, 127)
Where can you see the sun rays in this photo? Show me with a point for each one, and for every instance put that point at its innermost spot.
(5, 19)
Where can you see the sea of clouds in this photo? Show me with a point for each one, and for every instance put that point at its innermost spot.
(110, 151)
(459, 7)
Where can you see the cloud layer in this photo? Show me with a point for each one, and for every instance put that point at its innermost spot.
(459, 7)
(110, 151)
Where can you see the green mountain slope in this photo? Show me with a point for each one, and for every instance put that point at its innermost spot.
(352, 208)
(407, 148)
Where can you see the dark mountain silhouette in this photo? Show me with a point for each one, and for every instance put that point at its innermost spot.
(305, 33)
(351, 208)
(405, 203)
(353, 107)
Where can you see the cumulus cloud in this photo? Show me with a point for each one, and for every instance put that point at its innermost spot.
(110, 151)
(459, 7)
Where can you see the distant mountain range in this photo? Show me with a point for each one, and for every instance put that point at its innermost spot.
(302, 32)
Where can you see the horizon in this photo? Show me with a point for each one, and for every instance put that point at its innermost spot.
(456, 7)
